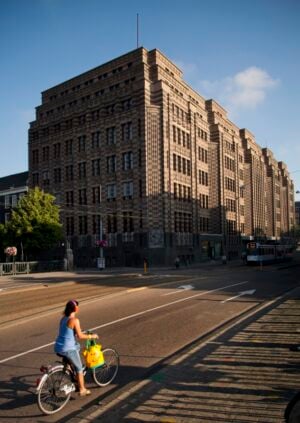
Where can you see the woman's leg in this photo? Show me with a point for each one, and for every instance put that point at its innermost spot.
(80, 380)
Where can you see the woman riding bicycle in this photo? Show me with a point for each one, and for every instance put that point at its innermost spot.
(66, 344)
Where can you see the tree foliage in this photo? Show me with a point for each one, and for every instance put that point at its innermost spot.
(35, 222)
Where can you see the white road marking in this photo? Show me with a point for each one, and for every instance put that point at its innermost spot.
(131, 316)
(250, 292)
(181, 288)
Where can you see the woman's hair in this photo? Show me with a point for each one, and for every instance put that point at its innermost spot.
(70, 307)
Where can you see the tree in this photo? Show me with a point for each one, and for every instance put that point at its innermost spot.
(35, 222)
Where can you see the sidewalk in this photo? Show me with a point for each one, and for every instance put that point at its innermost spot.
(246, 374)
(93, 272)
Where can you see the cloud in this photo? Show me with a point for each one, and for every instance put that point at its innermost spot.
(245, 90)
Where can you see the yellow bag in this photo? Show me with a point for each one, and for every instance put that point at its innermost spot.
(93, 355)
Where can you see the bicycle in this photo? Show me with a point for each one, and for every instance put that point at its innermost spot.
(55, 387)
(292, 411)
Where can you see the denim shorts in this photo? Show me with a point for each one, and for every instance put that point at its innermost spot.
(74, 357)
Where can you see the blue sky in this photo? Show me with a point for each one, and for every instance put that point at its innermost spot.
(246, 55)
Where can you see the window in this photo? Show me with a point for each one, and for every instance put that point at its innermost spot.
(82, 198)
(111, 164)
(96, 139)
(68, 147)
(82, 225)
(96, 167)
(96, 224)
(203, 224)
(69, 173)
(70, 225)
(203, 178)
(230, 184)
(203, 201)
(111, 135)
(7, 201)
(127, 160)
(96, 195)
(128, 222)
(82, 170)
(174, 162)
(46, 177)
(96, 113)
(81, 143)
(14, 200)
(69, 199)
(230, 205)
(57, 175)
(127, 131)
(184, 166)
(126, 104)
(111, 191)
(46, 151)
(56, 151)
(127, 189)
(81, 120)
(112, 223)
(35, 179)
(35, 157)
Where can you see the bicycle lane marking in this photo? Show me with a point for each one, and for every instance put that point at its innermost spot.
(131, 316)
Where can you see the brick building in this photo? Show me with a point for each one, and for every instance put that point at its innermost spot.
(133, 152)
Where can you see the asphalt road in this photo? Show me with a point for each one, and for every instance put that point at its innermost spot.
(145, 318)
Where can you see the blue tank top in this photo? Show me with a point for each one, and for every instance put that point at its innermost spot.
(66, 338)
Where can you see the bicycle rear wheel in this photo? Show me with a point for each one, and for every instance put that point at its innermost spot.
(106, 373)
(55, 391)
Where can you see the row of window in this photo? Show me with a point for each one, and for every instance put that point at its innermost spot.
(182, 222)
(111, 193)
(203, 200)
(11, 200)
(91, 81)
(107, 110)
(181, 137)
(181, 165)
(229, 163)
(231, 227)
(111, 224)
(203, 178)
(230, 184)
(182, 192)
(203, 154)
(82, 142)
(127, 164)
(230, 205)
(203, 224)
(202, 134)
(180, 114)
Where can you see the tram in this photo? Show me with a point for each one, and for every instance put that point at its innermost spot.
(268, 253)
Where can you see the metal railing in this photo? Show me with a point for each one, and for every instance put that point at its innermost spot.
(30, 267)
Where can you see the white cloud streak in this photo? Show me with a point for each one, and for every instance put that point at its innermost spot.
(246, 89)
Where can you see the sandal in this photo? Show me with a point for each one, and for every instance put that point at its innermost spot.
(85, 393)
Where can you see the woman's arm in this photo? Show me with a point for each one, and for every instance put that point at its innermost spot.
(75, 324)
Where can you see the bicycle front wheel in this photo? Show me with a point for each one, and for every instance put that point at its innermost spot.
(292, 411)
(55, 391)
(106, 373)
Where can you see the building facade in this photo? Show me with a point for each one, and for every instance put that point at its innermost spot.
(12, 188)
(297, 213)
(135, 156)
